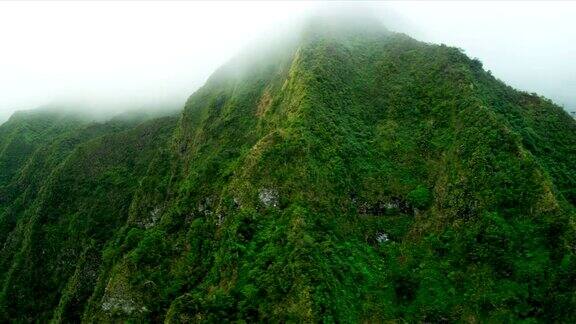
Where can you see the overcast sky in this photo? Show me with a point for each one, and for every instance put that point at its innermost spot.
(119, 53)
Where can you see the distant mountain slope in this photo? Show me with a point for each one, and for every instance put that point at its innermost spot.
(347, 174)
(24, 132)
(72, 213)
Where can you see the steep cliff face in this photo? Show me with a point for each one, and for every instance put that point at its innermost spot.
(348, 174)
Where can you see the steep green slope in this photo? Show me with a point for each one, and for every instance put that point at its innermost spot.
(358, 176)
(347, 174)
(73, 193)
(24, 132)
(20, 194)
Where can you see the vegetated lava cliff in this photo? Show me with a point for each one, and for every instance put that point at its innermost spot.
(345, 174)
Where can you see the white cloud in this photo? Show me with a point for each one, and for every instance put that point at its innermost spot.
(151, 51)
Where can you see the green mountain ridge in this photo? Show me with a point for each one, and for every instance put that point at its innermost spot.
(349, 174)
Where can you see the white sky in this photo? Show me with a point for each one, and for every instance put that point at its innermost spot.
(126, 52)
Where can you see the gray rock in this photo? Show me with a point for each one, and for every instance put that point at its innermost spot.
(382, 237)
(268, 197)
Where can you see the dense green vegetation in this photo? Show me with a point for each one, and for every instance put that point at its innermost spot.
(349, 174)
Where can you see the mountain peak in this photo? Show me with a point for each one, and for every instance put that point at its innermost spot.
(343, 22)
(343, 175)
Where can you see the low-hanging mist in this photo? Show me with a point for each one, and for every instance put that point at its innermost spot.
(114, 56)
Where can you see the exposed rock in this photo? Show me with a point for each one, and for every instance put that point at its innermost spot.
(113, 304)
(268, 197)
(118, 297)
(154, 217)
(205, 207)
(391, 205)
(382, 237)
(237, 203)
(219, 219)
(387, 207)
(151, 221)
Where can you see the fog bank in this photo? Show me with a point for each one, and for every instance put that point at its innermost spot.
(117, 54)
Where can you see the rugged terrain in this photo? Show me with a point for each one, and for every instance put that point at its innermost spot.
(345, 174)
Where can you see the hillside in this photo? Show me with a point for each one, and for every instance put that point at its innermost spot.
(347, 174)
